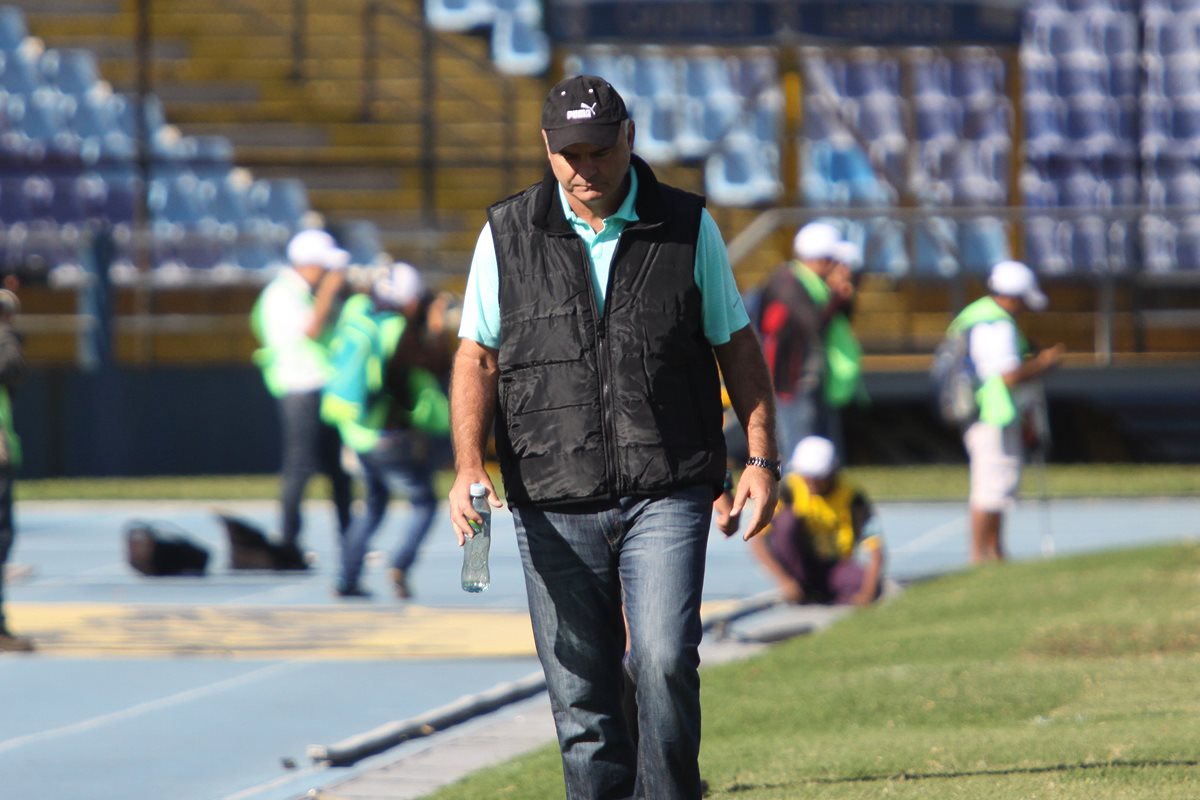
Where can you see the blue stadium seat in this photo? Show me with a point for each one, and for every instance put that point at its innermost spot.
(1081, 73)
(1047, 244)
(937, 119)
(707, 78)
(1091, 126)
(519, 44)
(1089, 245)
(869, 76)
(1181, 77)
(1185, 126)
(210, 156)
(71, 71)
(931, 75)
(361, 239)
(12, 28)
(18, 73)
(982, 242)
(743, 173)
(459, 15)
(657, 130)
(654, 75)
(1187, 244)
(976, 78)
(1158, 244)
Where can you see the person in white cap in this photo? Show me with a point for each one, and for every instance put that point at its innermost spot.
(1003, 361)
(293, 319)
(824, 544)
(388, 404)
(813, 356)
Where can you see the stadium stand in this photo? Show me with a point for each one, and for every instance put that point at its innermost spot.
(75, 142)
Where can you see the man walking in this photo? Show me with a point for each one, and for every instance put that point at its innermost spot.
(596, 303)
(1003, 362)
(814, 358)
(291, 319)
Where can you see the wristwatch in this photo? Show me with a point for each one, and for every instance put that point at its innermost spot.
(772, 466)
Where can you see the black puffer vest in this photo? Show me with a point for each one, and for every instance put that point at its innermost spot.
(598, 407)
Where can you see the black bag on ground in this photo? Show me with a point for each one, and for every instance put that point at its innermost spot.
(156, 552)
(249, 548)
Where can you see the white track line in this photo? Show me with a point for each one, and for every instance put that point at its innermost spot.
(146, 707)
(933, 536)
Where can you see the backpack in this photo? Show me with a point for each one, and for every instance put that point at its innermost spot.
(249, 548)
(156, 553)
(954, 381)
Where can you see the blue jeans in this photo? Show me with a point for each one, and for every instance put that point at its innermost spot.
(399, 463)
(309, 446)
(580, 566)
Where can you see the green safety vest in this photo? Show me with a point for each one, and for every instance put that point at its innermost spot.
(996, 404)
(267, 356)
(360, 424)
(843, 353)
(12, 456)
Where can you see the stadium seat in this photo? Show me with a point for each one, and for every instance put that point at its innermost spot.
(657, 130)
(654, 75)
(519, 44)
(707, 78)
(976, 78)
(1081, 73)
(18, 73)
(12, 28)
(1158, 244)
(982, 242)
(1187, 244)
(1043, 126)
(743, 173)
(71, 71)
(937, 120)
(870, 75)
(1047, 243)
(930, 74)
(459, 15)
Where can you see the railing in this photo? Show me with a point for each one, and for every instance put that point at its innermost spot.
(1106, 277)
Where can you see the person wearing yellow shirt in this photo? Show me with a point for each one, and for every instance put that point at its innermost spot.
(824, 544)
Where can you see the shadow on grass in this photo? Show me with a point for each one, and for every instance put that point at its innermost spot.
(975, 773)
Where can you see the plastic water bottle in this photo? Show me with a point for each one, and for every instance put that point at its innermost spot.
(476, 577)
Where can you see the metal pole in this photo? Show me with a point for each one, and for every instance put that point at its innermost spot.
(299, 38)
(142, 243)
(370, 60)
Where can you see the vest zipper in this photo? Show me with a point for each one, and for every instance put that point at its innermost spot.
(603, 373)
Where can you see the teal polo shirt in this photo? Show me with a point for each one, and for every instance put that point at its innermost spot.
(722, 307)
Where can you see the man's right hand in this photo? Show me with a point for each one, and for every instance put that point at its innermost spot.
(461, 510)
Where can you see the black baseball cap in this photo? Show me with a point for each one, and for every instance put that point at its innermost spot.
(584, 108)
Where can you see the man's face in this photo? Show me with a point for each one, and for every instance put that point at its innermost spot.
(594, 175)
(819, 486)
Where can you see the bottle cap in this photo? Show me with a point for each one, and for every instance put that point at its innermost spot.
(478, 490)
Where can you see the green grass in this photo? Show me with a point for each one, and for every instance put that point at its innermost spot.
(1071, 679)
(939, 482)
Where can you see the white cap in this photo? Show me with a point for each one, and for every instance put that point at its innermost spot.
(816, 240)
(399, 286)
(1014, 279)
(814, 457)
(316, 248)
(848, 253)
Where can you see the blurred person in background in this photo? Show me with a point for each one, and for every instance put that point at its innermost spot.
(824, 544)
(1005, 366)
(389, 406)
(813, 355)
(12, 369)
(598, 306)
(293, 321)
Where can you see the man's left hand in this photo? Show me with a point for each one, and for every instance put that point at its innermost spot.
(759, 487)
